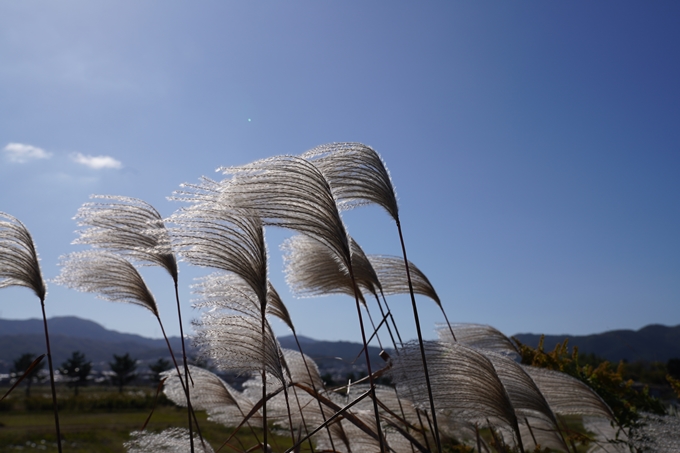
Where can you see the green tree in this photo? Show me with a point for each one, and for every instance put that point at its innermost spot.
(21, 364)
(123, 367)
(77, 368)
(157, 368)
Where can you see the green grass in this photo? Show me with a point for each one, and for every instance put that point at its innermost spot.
(87, 427)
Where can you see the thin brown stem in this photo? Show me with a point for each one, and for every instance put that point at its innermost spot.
(186, 368)
(368, 360)
(311, 380)
(181, 381)
(420, 341)
(54, 389)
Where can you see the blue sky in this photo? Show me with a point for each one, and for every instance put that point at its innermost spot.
(535, 146)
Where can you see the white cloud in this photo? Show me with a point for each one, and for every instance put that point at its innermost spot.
(97, 162)
(21, 153)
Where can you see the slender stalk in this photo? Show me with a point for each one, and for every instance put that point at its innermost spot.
(401, 409)
(290, 419)
(186, 368)
(179, 375)
(389, 310)
(264, 384)
(531, 431)
(420, 340)
(389, 329)
(54, 389)
(375, 329)
(311, 380)
(302, 416)
(448, 323)
(368, 360)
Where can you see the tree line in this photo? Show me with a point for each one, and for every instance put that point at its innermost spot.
(77, 370)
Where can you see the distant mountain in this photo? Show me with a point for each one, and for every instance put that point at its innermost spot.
(652, 343)
(70, 333)
(338, 358)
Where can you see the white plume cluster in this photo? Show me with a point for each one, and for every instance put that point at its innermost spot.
(467, 387)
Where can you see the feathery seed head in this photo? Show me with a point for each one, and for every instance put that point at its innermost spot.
(288, 192)
(128, 226)
(19, 264)
(357, 175)
(210, 234)
(392, 276)
(110, 276)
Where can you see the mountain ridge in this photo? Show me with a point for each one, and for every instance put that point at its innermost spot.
(652, 342)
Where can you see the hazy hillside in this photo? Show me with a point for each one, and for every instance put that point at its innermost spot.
(339, 358)
(69, 333)
(654, 343)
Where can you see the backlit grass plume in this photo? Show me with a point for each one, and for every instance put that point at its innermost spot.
(479, 336)
(465, 384)
(19, 266)
(135, 229)
(358, 175)
(289, 192)
(224, 404)
(212, 234)
(526, 398)
(128, 226)
(172, 440)
(313, 270)
(111, 277)
(567, 395)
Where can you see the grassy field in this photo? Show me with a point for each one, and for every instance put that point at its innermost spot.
(99, 421)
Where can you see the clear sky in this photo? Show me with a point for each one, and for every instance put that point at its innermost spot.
(535, 146)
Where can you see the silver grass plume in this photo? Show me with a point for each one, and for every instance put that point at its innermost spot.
(313, 270)
(224, 404)
(209, 234)
(537, 431)
(357, 174)
(128, 226)
(567, 395)
(479, 336)
(134, 229)
(172, 440)
(525, 396)
(289, 192)
(395, 279)
(465, 384)
(311, 412)
(19, 266)
(234, 341)
(226, 291)
(110, 276)
(213, 235)
(396, 411)
(392, 275)
(277, 308)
